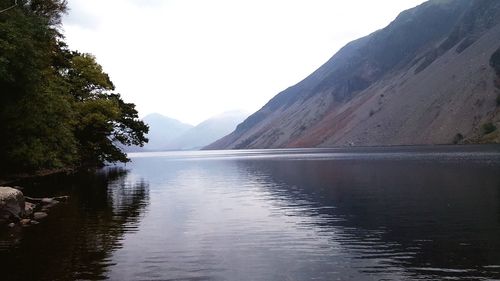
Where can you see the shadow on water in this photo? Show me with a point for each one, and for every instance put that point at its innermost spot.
(422, 220)
(77, 239)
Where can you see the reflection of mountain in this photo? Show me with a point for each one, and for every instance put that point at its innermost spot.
(411, 215)
(78, 238)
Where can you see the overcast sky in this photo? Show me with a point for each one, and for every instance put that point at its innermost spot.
(192, 59)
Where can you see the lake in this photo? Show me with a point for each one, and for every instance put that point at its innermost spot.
(403, 213)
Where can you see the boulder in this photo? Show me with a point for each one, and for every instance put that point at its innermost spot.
(11, 204)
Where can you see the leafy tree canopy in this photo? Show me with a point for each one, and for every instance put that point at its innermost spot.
(57, 107)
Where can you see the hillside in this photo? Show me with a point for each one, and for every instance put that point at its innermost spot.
(424, 79)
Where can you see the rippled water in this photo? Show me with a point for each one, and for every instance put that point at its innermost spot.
(304, 214)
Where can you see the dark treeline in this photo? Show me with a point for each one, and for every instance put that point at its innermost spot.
(57, 106)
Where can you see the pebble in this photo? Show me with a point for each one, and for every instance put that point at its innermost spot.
(29, 208)
(39, 215)
(11, 225)
(52, 204)
(63, 198)
(47, 200)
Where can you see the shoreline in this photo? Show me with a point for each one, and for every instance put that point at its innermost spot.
(13, 178)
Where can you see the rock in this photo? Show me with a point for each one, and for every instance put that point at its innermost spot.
(11, 225)
(24, 222)
(47, 201)
(11, 204)
(52, 204)
(29, 208)
(63, 198)
(46, 207)
(34, 222)
(39, 215)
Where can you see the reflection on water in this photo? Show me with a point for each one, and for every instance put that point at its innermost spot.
(320, 214)
(409, 219)
(78, 238)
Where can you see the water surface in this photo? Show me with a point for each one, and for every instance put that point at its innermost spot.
(407, 213)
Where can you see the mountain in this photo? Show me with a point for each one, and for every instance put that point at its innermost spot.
(426, 78)
(208, 131)
(162, 130)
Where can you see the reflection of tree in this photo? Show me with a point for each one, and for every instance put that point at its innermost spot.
(409, 215)
(77, 240)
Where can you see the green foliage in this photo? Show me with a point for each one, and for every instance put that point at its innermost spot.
(57, 108)
(489, 128)
(495, 61)
(104, 119)
(86, 77)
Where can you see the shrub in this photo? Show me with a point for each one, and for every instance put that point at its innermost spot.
(489, 128)
(495, 61)
(458, 138)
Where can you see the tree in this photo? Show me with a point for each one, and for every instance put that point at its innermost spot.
(57, 107)
(105, 121)
(33, 101)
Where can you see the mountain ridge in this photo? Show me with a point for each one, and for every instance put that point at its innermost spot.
(170, 134)
(207, 131)
(162, 129)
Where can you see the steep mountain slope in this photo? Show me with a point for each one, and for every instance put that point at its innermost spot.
(208, 131)
(424, 79)
(162, 130)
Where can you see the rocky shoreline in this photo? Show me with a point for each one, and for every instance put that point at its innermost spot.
(17, 209)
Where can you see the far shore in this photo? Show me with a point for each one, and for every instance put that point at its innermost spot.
(13, 178)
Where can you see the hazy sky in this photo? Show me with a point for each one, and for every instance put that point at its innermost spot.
(192, 59)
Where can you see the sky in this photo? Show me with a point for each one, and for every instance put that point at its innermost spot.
(193, 59)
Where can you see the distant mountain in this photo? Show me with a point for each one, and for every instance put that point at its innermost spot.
(169, 134)
(162, 130)
(427, 78)
(208, 131)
